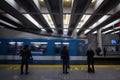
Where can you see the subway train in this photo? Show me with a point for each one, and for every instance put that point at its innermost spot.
(44, 50)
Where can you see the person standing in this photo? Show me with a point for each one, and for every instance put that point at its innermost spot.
(90, 59)
(26, 55)
(98, 51)
(104, 51)
(65, 59)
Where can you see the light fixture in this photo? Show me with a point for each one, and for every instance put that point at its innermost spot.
(107, 31)
(41, 0)
(81, 23)
(12, 18)
(111, 24)
(115, 32)
(94, 32)
(86, 31)
(66, 19)
(8, 24)
(32, 20)
(49, 21)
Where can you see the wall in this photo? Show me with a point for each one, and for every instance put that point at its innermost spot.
(106, 40)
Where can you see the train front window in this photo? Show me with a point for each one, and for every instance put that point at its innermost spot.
(38, 47)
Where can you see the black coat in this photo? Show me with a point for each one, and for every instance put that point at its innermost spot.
(65, 54)
(25, 54)
(90, 56)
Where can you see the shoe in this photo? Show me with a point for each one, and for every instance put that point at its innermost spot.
(21, 73)
(66, 72)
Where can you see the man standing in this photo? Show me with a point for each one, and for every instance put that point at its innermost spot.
(65, 58)
(90, 59)
(25, 53)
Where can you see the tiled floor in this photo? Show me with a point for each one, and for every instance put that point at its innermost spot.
(75, 73)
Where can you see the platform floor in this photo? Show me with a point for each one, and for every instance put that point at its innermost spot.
(54, 72)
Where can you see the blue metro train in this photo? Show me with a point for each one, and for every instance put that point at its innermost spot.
(44, 51)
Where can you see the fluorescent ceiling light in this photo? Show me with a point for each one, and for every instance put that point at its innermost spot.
(66, 19)
(49, 20)
(83, 20)
(94, 25)
(32, 20)
(115, 32)
(12, 3)
(111, 24)
(37, 4)
(99, 21)
(12, 18)
(107, 31)
(78, 29)
(41, 0)
(94, 32)
(15, 5)
(93, 1)
(117, 28)
(65, 30)
(103, 18)
(43, 29)
(8, 24)
(86, 31)
(98, 3)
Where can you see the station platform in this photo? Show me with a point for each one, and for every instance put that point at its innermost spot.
(54, 72)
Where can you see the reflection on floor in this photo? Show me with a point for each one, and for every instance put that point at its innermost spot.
(54, 72)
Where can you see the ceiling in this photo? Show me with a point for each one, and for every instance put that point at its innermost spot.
(61, 18)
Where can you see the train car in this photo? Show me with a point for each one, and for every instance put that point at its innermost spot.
(44, 50)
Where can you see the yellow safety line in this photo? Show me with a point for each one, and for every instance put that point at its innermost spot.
(59, 66)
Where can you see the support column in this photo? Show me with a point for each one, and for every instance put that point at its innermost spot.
(99, 40)
(74, 35)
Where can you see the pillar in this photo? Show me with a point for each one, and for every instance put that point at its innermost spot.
(99, 39)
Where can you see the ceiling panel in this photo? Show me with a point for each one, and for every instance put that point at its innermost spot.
(59, 18)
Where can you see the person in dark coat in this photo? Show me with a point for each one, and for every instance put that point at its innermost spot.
(98, 50)
(26, 55)
(90, 59)
(65, 59)
(104, 51)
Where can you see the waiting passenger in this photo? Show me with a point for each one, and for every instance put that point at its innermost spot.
(98, 50)
(65, 58)
(26, 55)
(104, 51)
(90, 59)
